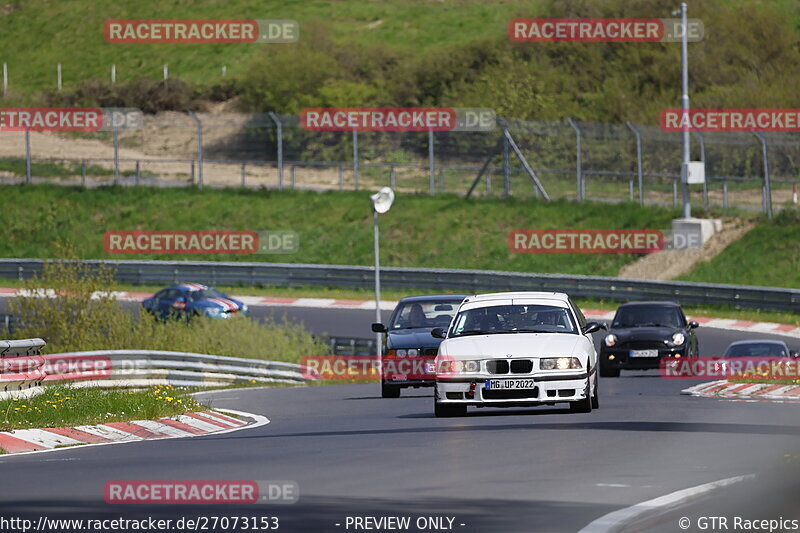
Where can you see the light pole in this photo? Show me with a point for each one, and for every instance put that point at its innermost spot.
(381, 203)
(687, 206)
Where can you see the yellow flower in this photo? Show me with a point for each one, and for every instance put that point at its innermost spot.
(15, 399)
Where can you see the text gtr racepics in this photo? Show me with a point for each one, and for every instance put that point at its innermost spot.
(516, 349)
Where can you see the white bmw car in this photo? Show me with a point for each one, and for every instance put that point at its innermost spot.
(516, 349)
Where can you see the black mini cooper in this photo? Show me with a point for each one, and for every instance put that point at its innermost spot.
(643, 333)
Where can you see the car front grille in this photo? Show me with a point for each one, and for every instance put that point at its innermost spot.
(642, 345)
(517, 366)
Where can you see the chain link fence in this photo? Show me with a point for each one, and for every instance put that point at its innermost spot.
(569, 159)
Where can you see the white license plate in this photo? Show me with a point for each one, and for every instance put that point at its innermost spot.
(492, 384)
(644, 353)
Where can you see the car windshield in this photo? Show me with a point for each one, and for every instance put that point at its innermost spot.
(640, 316)
(205, 294)
(513, 319)
(424, 314)
(757, 349)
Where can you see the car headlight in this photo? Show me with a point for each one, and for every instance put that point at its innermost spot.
(459, 367)
(401, 352)
(413, 351)
(678, 338)
(559, 363)
(212, 311)
(244, 308)
(610, 339)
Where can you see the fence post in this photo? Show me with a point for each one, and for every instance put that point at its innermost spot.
(341, 177)
(506, 169)
(199, 149)
(578, 160)
(244, 176)
(293, 178)
(391, 177)
(431, 187)
(166, 75)
(488, 182)
(137, 172)
(441, 179)
(5, 79)
(83, 172)
(27, 155)
(279, 130)
(766, 188)
(58, 69)
(355, 158)
(116, 154)
(639, 172)
(192, 165)
(113, 73)
(702, 140)
(725, 193)
(674, 192)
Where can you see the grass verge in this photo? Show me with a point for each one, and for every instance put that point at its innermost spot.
(63, 406)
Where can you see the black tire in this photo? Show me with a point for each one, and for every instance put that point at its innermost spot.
(585, 405)
(448, 411)
(389, 391)
(608, 372)
(441, 410)
(596, 396)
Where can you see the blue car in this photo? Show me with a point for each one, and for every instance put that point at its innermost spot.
(188, 300)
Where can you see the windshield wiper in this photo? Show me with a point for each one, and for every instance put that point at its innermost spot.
(472, 332)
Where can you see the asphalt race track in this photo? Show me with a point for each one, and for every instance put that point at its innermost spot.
(504, 470)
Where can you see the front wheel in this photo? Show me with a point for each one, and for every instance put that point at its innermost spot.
(596, 396)
(584, 405)
(389, 391)
(443, 410)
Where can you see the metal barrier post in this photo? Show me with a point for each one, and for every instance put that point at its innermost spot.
(725, 193)
(506, 176)
(199, 149)
(639, 172)
(244, 176)
(578, 160)
(766, 192)
(293, 178)
(391, 177)
(279, 127)
(341, 177)
(83, 172)
(137, 173)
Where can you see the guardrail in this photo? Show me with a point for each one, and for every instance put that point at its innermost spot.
(24, 372)
(470, 281)
(21, 368)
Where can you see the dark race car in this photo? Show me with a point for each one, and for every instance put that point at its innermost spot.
(408, 335)
(188, 300)
(644, 333)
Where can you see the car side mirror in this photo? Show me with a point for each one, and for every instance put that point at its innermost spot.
(377, 327)
(437, 333)
(591, 327)
(694, 324)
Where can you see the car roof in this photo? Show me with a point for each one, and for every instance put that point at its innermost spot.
(651, 303)
(453, 297)
(758, 341)
(521, 294)
(190, 287)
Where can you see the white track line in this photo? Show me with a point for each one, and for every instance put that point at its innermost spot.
(614, 521)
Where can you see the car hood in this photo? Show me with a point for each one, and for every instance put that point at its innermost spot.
(645, 334)
(225, 304)
(411, 338)
(514, 344)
